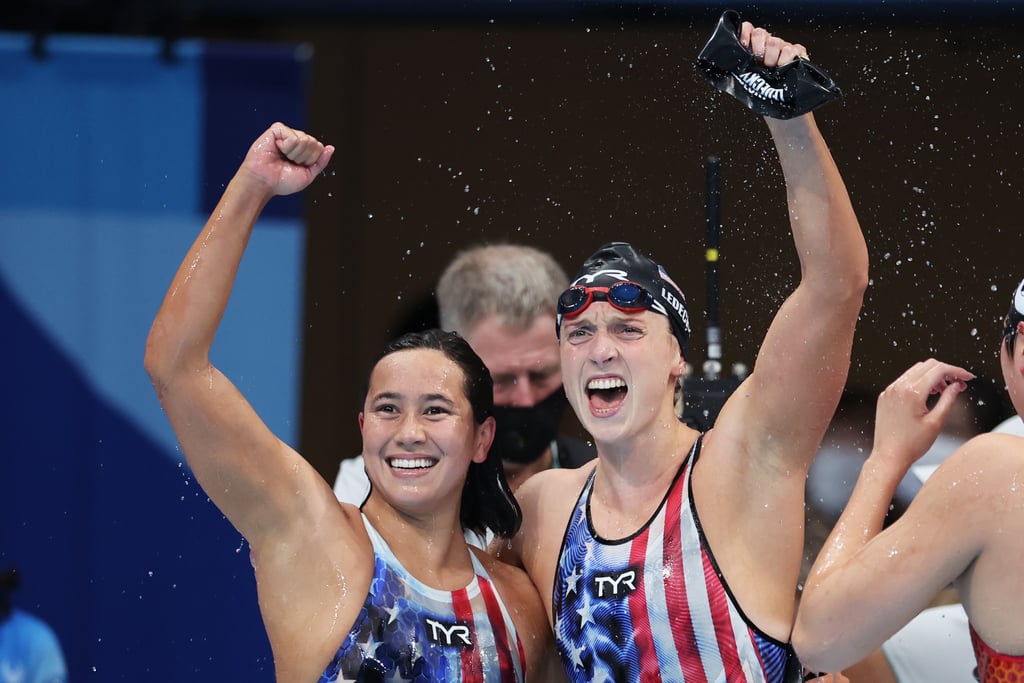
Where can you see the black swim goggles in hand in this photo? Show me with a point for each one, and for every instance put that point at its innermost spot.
(626, 296)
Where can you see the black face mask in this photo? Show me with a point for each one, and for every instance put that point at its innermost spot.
(523, 434)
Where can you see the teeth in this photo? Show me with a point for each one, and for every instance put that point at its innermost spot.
(411, 463)
(605, 383)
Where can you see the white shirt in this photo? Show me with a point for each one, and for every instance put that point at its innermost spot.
(934, 647)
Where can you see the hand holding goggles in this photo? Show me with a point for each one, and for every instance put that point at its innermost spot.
(625, 296)
(781, 92)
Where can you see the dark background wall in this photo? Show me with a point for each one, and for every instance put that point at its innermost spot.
(567, 136)
(586, 123)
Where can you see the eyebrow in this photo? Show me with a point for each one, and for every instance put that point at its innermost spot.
(395, 396)
(617, 317)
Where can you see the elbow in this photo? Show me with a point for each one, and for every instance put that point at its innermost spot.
(808, 649)
(152, 360)
(859, 276)
(162, 358)
(856, 285)
(844, 288)
(156, 368)
(852, 280)
(819, 644)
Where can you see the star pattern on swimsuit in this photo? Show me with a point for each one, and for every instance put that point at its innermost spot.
(586, 612)
(572, 581)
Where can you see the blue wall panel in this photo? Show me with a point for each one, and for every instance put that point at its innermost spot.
(112, 153)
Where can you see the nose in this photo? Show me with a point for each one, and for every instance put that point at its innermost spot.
(602, 347)
(410, 431)
(520, 394)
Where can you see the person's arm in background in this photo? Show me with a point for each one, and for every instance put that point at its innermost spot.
(867, 583)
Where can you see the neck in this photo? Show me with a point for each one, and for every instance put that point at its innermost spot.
(431, 547)
(646, 461)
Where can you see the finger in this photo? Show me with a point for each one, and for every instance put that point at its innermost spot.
(920, 373)
(947, 399)
(285, 139)
(300, 148)
(792, 52)
(308, 151)
(321, 163)
(758, 40)
(938, 375)
(745, 30)
(773, 48)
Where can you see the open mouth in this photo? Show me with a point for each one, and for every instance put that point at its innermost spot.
(411, 463)
(606, 394)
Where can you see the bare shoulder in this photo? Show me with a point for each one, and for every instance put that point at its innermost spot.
(547, 499)
(555, 482)
(989, 458)
(975, 495)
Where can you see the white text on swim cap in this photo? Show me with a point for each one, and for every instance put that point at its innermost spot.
(758, 87)
(677, 305)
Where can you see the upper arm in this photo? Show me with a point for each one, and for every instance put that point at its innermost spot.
(546, 499)
(804, 359)
(253, 477)
(799, 375)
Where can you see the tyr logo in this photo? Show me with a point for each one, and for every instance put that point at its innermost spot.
(615, 584)
(589, 278)
(453, 634)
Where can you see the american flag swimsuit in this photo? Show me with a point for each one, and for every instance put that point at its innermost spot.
(408, 631)
(653, 606)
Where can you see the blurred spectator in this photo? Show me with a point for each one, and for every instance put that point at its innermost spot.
(29, 649)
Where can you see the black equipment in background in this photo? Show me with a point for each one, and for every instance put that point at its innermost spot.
(705, 395)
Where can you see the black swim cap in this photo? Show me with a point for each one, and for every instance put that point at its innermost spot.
(1016, 312)
(621, 262)
(1017, 304)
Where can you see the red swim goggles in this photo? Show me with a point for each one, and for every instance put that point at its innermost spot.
(625, 296)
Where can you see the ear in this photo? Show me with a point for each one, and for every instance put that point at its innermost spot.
(484, 437)
(679, 369)
(360, 422)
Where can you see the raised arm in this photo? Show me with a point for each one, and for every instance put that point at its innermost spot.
(866, 583)
(804, 359)
(247, 472)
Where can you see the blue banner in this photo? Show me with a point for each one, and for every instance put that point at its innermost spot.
(116, 150)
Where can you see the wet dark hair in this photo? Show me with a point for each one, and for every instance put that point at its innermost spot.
(487, 500)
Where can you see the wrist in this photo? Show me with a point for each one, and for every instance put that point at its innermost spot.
(250, 189)
(885, 466)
